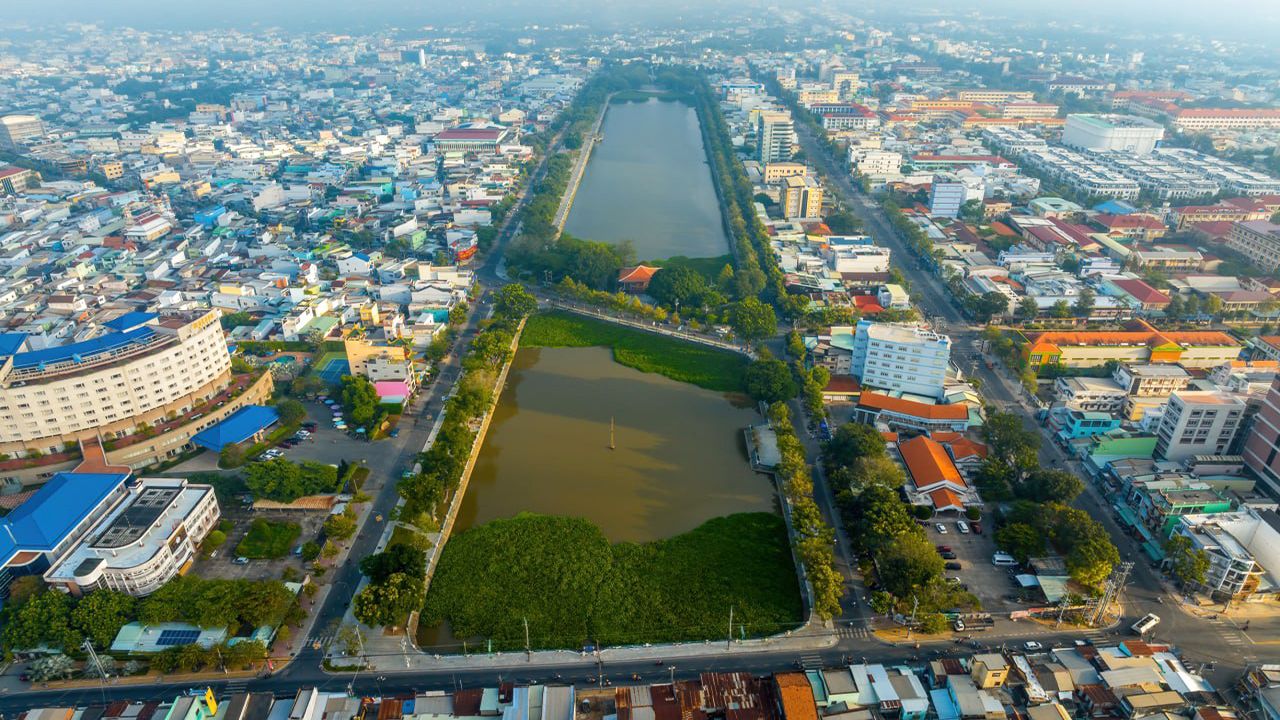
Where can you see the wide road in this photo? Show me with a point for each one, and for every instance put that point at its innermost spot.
(1203, 640)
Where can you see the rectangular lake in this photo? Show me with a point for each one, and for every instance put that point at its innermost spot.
(649, 181)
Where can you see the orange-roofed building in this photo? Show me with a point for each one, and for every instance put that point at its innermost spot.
(935, 479)
(1139, 343)
(910, 416)
(636, 279)
(795, 696)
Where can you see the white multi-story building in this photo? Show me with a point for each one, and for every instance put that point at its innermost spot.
(1242, 546)
(138, 368)
(142, 542)
(774, 135)
(875, 162)
(1091, 394)
(1198, 423)
(903, 358)
(1099, 133)
(857, 259)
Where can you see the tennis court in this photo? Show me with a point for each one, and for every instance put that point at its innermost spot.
(333, 368)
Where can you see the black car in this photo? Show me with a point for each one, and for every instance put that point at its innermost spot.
(953, 566)
(948, 556)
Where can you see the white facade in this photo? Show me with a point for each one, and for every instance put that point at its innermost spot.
(72, 398)
(902, 358)
(142, 542)
(1099, 133)
(1198, 423)
(774, 133)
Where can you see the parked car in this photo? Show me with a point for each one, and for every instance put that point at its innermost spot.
(942, 548)
(1032, 646)
(977, 527)
(395, 432)
(953, 566)
(942, 529)
(962, 526)
(948, 556)
(241, 561)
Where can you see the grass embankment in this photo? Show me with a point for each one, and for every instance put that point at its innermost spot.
(575, 588)
(267, 540)
(699, 365)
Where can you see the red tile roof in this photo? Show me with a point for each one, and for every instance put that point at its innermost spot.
(1142, 292)
(876, 401)
(928, 463)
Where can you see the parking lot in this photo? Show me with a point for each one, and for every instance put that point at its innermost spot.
(990, 583)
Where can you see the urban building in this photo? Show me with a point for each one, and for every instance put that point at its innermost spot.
(1147, 380)
(1091, 394)
(1140, 343)
(1199, 423)
(947, 195)
(1258, 240)
(774, 136)
(1242, 547)
(14, 180)
(139, 368)
(901, 358)
(15, 129)
(776, 172)
(909, 416)
(1103, 133)
(147, 538)
(801, 197)
(1262, 445)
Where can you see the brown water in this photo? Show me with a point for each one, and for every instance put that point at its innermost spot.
(680, 457)
(679, 460)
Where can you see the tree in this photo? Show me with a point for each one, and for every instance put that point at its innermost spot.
(351, 639)
(101, 613)
(400, 558)
(514, 301)
(770, 380)
(1084, 304)
(231, 456)
(1213, 305)
(843, 223)
(1021, 541)
(291, 412)
(853, 441)
(986, 306)
(909, 564)
(340, 527)
(215, 540)
(108, 669)
(934, 623)
(875, 517)
(678, 287)
(753, 320)
(45, 619)
(1189, 564)
(971, 211)
(795, 345)
(310, 550)
(388, 603)
(1060, 310)
(1028, 309)
(1090, 562)
(1051, 486)
(1175, 309)
(458, 314)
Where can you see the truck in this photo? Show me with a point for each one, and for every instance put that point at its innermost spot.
(973, 622)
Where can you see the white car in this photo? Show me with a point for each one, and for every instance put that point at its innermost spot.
(942, 529)
(1032, 646)
(963, 527)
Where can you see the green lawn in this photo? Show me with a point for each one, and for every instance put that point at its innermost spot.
(268, 540)
(688, 362)
(575, 588)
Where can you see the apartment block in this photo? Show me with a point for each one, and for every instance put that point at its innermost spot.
(1259, 240)
(1199, 423)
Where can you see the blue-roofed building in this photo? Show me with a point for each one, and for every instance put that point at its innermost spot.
(245, 423)
(53, 520)
(1115, 207)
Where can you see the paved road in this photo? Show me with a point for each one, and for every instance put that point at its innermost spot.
(1200, 639)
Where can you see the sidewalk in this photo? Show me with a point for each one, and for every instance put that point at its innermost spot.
(811, 638)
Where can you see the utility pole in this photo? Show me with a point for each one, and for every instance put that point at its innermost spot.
(728, 644)
(102, 675)
(911, 626)
(528, 653)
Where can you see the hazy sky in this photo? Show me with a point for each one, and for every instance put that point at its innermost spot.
(1215, 16)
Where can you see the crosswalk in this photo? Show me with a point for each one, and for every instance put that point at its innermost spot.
(237, 685)
(853, 633)
(1231, 633)
(811, 661)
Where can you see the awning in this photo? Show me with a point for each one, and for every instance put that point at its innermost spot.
(240, 426)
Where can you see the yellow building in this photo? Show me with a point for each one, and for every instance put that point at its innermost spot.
(1139, 343)
(801, 197)
(996, 96)
(777, 171)
(989, 670)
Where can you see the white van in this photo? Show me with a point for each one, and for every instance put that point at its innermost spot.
(1144, 626)
(1003, 559)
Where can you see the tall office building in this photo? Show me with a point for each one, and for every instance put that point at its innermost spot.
(1262, 448)
(16, 128)
(904, 358)
(1198, 423)
(949, 193)
(774, 131)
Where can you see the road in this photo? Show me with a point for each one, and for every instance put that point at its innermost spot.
(1220, 642)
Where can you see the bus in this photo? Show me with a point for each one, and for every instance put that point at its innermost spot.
(1144, 626)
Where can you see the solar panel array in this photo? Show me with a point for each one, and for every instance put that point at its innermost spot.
(177, 637)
